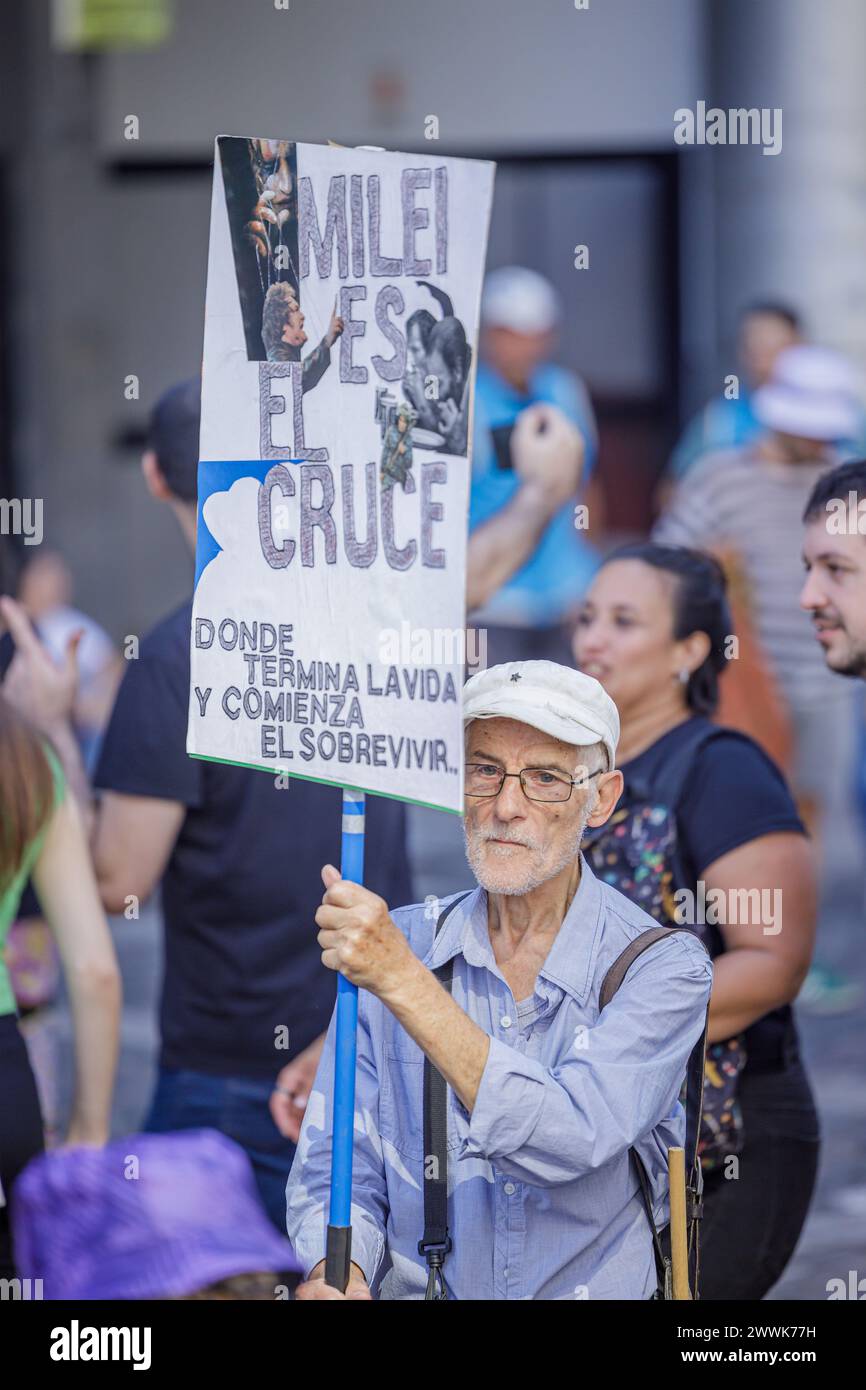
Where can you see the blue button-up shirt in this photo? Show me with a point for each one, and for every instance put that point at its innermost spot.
(542, 1200)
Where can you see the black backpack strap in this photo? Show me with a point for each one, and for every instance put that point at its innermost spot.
(667, 786)
(668, 783)
(614, 977)
(436, 1242)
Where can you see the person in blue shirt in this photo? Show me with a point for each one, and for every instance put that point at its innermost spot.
(520, 311)
(549, 1086)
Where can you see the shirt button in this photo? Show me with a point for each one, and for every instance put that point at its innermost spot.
(505, 1021)
(509, 1189)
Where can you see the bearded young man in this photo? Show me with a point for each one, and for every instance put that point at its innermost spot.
(834, 554)
(834, 595)
(546, 1092)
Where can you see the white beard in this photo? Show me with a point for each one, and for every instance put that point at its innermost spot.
(513, 876)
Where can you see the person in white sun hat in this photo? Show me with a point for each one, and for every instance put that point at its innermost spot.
(811, 395)
(526, 1189)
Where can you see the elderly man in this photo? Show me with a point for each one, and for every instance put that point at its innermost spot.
(546, 1091)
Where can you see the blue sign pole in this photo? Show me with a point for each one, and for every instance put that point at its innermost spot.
(338, 1251)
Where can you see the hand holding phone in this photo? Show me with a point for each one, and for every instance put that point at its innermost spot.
(548, 453)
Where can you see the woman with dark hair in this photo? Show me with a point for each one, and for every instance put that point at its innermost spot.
(41, 834)
(707, 835)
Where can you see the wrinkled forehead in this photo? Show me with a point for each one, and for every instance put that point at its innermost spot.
(509, 740)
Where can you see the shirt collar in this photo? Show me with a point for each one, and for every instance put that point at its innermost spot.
(571, 960)
(463, 932)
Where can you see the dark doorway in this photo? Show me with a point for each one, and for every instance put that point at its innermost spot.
(620, 324)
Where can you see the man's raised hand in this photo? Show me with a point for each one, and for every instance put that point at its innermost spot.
(358, 937)
(549, 453)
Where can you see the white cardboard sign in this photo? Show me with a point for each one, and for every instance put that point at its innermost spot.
(341, 336)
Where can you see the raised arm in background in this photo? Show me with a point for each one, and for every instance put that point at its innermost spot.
(548, 452)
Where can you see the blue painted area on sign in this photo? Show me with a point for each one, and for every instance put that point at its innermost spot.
(217, 475)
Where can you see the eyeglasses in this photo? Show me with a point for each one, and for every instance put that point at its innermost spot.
(538, 783)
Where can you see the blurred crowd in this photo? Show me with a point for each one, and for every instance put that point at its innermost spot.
(741, 740)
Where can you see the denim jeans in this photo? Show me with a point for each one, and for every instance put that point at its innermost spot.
(238, 1108)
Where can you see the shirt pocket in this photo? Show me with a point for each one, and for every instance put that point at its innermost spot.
(401, 1101)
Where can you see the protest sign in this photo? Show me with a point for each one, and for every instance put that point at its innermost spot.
(340, 346)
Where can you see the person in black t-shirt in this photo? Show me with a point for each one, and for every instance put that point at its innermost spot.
(653, 629)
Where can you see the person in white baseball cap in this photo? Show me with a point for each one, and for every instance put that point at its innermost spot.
(520, 315)
(520, 299)
(527, 1185)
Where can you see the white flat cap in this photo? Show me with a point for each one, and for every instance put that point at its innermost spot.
(519, 299)
(558, 700)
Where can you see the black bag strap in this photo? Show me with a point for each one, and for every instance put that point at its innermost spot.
(436, 1242)
(614, 977)
(668, 783)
